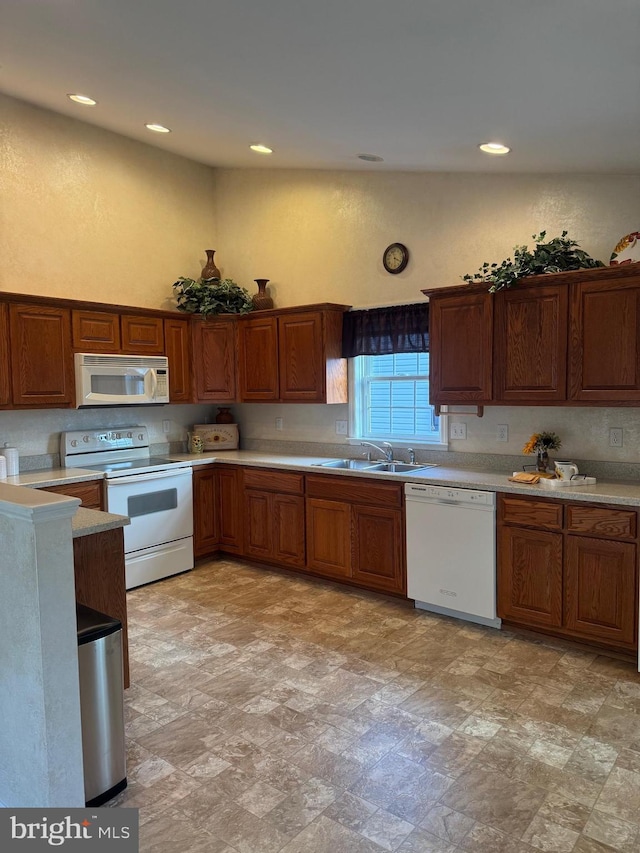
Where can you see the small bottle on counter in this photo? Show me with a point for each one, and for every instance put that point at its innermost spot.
(3, 468)
(12, 458)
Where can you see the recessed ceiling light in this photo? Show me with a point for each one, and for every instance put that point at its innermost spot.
(371, 158)
(261, 149)
(82, 99)
(494, 148)
(158, 128)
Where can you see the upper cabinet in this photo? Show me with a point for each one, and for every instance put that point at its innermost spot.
(177, 344)
(604, 340)
(95, 331)
(571, 339)
(41, 357)
(214, 360)
(142, 335)
(293, 355)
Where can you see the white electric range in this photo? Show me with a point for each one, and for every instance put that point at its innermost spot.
(156, 494)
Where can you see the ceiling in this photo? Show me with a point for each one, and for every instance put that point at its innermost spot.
(418, 82)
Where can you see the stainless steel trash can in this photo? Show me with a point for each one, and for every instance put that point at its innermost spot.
(101, 705)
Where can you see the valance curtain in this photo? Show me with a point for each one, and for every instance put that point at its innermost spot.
(384, 331)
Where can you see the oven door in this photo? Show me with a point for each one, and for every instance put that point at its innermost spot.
(159, 504)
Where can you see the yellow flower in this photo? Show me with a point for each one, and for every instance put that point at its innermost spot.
(531, 445)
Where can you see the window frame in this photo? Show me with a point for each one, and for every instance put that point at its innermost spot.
(357, 413)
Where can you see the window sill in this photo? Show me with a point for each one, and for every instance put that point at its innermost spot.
(400, 443)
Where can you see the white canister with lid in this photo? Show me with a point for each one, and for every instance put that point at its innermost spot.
(13, 460)
(3, 468)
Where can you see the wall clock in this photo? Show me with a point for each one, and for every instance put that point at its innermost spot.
(395, 258)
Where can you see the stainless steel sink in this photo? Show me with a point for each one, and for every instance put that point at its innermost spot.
(353, 464)
(401, 467)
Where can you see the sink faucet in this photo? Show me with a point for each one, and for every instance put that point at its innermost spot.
(412, 455)
(387, 452)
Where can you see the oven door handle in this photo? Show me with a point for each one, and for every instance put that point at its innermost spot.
(153, 475)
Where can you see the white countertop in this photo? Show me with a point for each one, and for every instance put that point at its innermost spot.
(612, 492)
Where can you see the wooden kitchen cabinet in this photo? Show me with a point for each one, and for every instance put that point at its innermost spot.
(293, 356)
(569, 569)
(213, 347)
(530, 343)
(41, 357)
(205, 511)
(142, 335)
(355, 531)
(461, 348)
(95, 331)
(89, 492)
(604, 349)
(258, 359)
(177, 342)
(5, 364)
(230, 518)
(274, 517)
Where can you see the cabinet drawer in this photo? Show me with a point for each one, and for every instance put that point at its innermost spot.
(355, 490)
(90, 493)
(525, 513)
(274, 481)
(601, 521)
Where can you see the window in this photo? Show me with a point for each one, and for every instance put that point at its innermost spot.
(391, 399)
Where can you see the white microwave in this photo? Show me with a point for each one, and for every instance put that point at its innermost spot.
(121, 380)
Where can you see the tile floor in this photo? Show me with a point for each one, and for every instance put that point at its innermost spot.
(274, 713)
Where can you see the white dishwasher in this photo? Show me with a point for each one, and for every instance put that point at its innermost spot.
(451, 551)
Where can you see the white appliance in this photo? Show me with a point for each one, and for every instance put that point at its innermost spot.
(121, 380)
(451, 551)
(155, 493)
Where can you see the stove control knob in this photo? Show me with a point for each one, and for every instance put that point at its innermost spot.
(85, 438)
(140, 437)
(74, 442)
(118, 435)
(129, 435)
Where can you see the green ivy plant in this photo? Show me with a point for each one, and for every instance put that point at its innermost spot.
(213, 296)
(548, 256)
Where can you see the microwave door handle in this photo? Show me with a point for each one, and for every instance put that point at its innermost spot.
(129, 479)
(151, 384)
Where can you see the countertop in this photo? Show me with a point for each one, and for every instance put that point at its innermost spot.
(626, 493)
(88, 521)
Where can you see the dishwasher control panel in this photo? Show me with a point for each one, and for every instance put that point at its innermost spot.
(448, 494)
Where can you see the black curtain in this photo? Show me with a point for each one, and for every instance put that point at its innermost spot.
(384, 331)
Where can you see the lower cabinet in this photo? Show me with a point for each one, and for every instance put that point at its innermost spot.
(274, 517)
(342, 528)
(569, 569)
(89, 492)
(355, 532)
(217, 520)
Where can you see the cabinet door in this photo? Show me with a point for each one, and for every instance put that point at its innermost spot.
(230, 509)
(95, 331)
(530, 344)
(288, 530)
(601, 590)
(258, 358)
(5, 366)
(604, 345)
(258, 535)
(530, 577)
(377, 548)
(41, 358)
(301, 358)
(142, 335)
(461, 333)
(329, 537)
(205, 511)
(177, 348)
(214, 360)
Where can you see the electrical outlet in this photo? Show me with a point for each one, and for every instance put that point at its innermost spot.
(502, 433)
(342, 428)
(615, 437)
(279, 423)
(166, 426)
(457, 430)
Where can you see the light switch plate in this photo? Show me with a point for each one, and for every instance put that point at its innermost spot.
(279, 423)
(458, 430)
(342, 427)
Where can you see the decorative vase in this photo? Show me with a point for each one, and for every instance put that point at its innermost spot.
(210, 270)
(261, 300)
(542, 460)
(224, 415)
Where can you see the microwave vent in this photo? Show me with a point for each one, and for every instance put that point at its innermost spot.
(90, 360)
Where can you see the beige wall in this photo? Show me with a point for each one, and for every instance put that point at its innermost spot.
(90, 214)
(320, 235)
